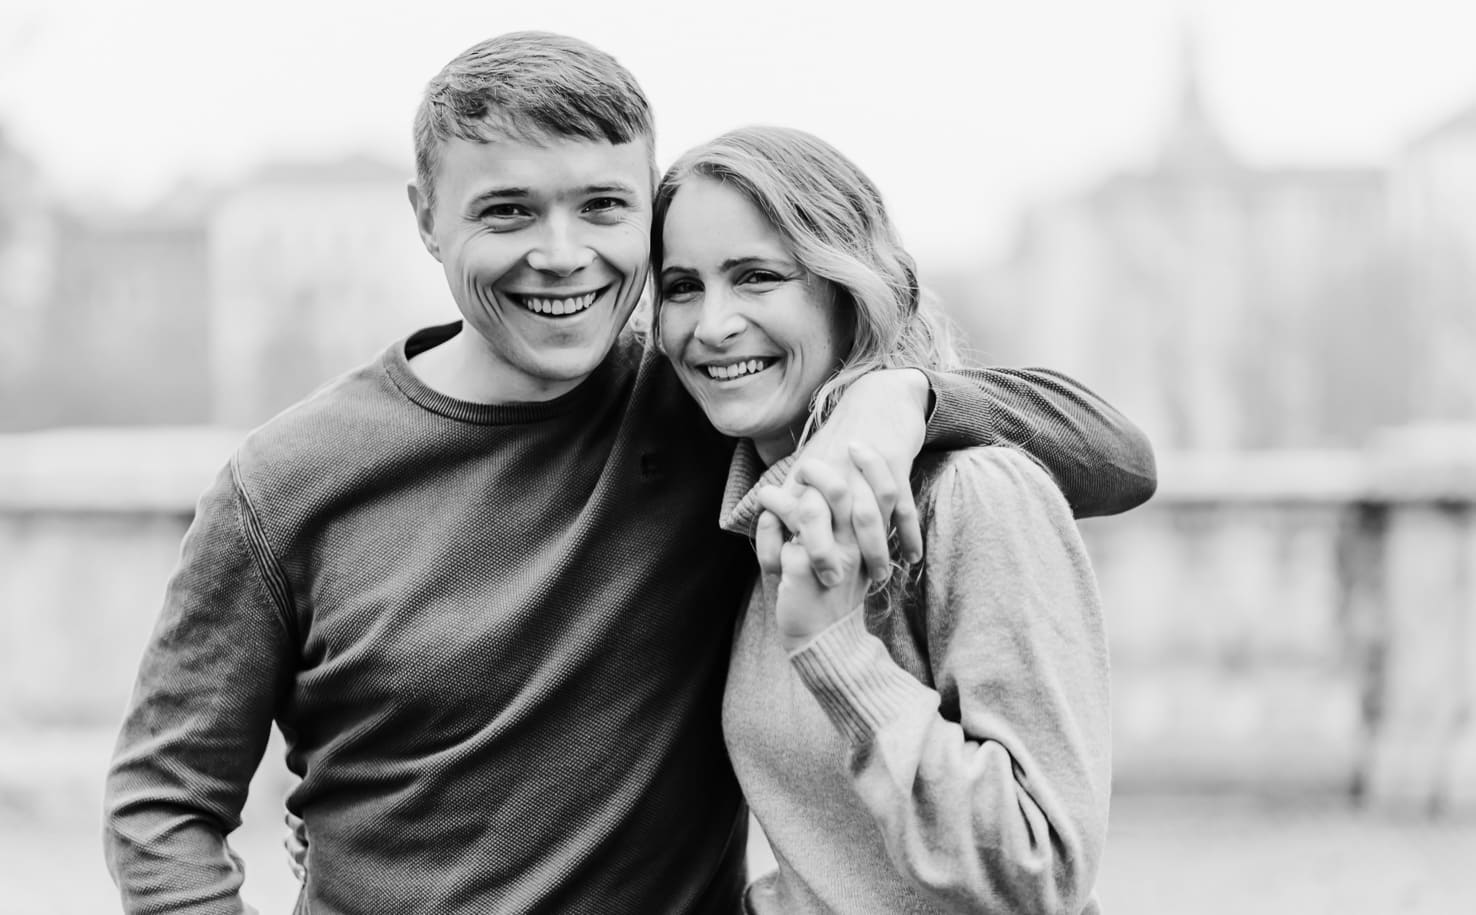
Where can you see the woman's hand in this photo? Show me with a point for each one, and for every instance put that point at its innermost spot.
(871, 439)
(793, 529)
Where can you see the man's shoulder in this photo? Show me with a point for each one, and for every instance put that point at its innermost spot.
(658, 394)
(338, 425)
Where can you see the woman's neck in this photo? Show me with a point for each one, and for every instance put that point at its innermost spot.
(774, 449)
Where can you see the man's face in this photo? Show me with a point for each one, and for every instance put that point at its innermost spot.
(545, 247)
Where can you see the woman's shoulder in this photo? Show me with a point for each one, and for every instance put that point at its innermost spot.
(992, 473)
(993, 514)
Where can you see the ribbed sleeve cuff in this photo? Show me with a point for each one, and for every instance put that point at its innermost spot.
(855, 681)
(959, 418)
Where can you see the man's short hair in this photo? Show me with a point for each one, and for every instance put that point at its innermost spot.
(528, 86)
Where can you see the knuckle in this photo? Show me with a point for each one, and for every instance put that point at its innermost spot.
(885, 489)
(813, 495)
(812, 513)
(822, 554)
(794, 559)
(806, 471)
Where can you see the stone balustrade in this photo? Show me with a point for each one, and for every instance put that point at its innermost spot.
(1280, 622)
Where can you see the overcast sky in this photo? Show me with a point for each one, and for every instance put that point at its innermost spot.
(961, 117)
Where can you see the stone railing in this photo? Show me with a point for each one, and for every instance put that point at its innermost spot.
(1298, 622)
(1279, 622)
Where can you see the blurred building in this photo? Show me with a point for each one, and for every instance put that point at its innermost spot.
(1434, 202)
(314, 269)
(27, 263)
(1225, 305)
(1221, 303)
(210, 307)
(105, 311)
(128, 322)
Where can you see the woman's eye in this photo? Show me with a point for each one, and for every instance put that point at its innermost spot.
(762, 276)
(679, 289)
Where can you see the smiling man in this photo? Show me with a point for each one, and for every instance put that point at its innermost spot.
(479, 582)
(545, 243)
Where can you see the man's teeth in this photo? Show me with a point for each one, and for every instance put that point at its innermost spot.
(736, 369)
(559, 306)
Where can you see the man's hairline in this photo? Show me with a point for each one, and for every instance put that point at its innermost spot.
(537, 137)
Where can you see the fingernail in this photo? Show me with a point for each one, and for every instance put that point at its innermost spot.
(830, 578)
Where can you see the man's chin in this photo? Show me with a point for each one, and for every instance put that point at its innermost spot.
(573, 367)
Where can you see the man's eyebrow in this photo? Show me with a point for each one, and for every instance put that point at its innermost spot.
(522, 193)
(609, 187)
(493, 193)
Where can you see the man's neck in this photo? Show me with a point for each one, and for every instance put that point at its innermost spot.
(463, 369)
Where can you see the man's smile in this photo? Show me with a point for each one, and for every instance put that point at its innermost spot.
(557, 306)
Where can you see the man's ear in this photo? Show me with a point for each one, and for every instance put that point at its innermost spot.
(425, 219)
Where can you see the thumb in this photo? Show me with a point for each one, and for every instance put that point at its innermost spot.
(768, 542)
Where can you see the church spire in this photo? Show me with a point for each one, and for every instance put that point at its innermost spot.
(1193, 142)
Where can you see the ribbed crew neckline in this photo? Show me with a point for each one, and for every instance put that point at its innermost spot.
(396, 363)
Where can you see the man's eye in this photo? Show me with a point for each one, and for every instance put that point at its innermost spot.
(604, 204)
(504, 211)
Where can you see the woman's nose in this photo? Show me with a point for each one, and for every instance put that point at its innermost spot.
(719, 321)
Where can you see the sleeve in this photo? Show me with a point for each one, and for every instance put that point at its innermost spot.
(1101, 461)
(991, 788)
(198, 720)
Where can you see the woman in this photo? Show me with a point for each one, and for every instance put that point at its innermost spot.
(939, 744)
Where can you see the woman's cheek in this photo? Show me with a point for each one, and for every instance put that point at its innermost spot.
(671, 331)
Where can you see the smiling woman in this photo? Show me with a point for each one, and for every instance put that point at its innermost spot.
(939, 744)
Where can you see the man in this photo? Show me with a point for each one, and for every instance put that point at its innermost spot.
(479, 583)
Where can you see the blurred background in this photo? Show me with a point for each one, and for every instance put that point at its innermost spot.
(1249, 225)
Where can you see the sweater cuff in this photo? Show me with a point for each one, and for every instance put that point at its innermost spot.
(962, 415)
(856, 682)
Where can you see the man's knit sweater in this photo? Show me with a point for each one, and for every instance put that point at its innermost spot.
(494, 638)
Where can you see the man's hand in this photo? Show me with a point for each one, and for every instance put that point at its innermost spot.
(296, 844)
(870, 441)
(805, 604)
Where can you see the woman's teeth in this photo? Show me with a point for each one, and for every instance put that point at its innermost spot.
(736, 369)
(558, 306)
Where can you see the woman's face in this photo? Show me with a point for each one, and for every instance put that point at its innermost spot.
(752, 334)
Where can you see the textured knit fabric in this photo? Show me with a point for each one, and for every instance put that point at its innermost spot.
(494, 638)
(951, 755)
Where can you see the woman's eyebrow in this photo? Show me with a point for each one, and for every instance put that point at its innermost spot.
(734, 262)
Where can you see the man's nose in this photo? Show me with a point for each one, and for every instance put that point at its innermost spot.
(561, 249)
